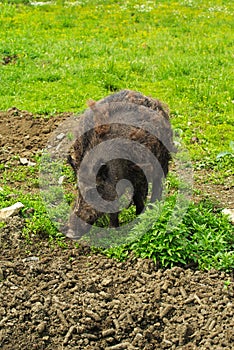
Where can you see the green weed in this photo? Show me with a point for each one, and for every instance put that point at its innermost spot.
(221, 168)
(37, 221)
(203, 238)
(227, 283)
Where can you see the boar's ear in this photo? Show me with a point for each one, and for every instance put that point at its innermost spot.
(100, 117)
(101, 120)
(91, 104)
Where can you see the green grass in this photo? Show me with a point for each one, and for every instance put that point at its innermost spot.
(53, 58)
(180, 52)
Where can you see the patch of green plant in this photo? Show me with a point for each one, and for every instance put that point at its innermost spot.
(27, 175)
(204, 237)
(57, 181)
(2, 224)
(223, 159)
(16, 2)
(221, 168)
(229, 153)
(69, 174)
(37, 220)
(172, 182)
(45, 207)
(227, 283)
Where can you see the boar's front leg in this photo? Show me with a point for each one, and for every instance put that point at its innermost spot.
(139, 202)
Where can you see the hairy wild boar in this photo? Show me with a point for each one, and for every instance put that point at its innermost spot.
(125, 138)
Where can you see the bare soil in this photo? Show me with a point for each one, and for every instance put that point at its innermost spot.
(56, 298)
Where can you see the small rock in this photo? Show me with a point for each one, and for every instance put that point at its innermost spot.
(25, 161)
(61, 179)
(31, 163)
(177, 143)
(46, 337)
(106, 282)
(41, 327)
(60, 136)
(194, 139)
(31, 258)
(46, 131)
(10, 211)
(230, 214)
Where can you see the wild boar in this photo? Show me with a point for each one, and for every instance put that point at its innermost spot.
(122, 140)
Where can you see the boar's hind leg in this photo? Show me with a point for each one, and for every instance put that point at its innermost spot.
(114, 219)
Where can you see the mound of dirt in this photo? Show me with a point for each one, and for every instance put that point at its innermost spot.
(23, 134)
(56, 298)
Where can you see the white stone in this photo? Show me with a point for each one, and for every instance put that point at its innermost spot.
(60, 136)
(61, 179)
(10, 211)
(40, 3)
(31, 163)
(229, 213)
(24, 161)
